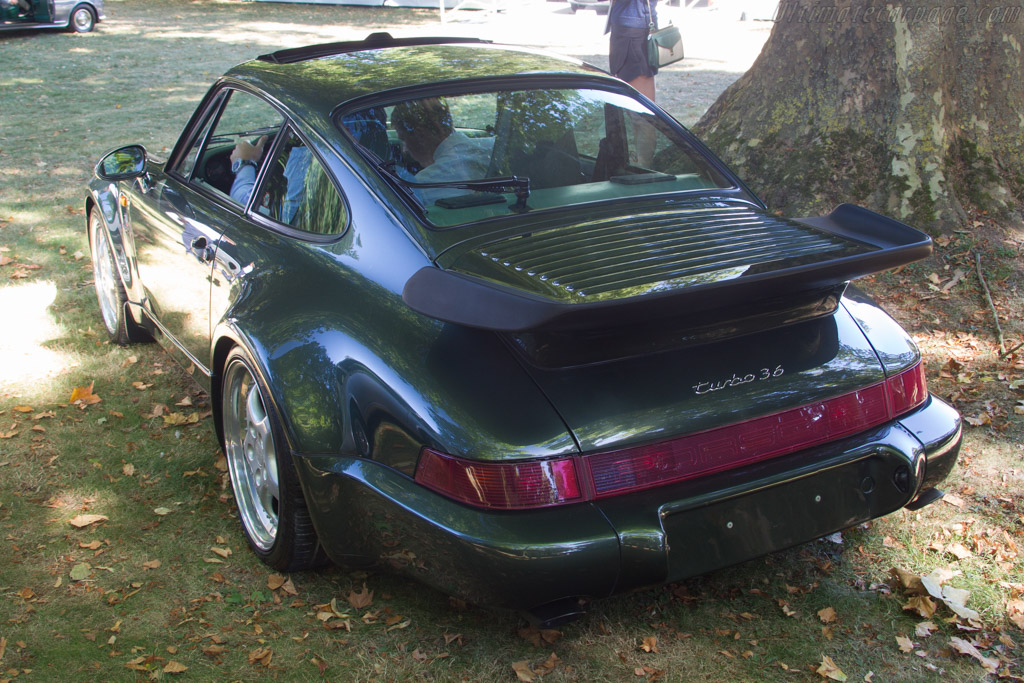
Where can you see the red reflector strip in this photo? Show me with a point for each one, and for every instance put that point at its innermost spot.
(543, 483)
(696, 455)
(506, 486)
(736, 445)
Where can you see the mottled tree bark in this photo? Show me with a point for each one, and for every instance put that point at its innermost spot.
(914, 110)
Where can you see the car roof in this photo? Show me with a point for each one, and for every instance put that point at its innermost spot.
(319, 78)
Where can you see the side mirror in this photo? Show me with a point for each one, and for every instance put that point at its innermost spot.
(123, 163)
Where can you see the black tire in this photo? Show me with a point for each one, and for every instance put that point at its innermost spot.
(82, 19)
(268, 496)
(110, 292)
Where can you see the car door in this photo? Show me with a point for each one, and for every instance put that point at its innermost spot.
(179, 222)
(297, 203)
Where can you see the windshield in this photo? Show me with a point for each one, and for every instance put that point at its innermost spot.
(574, 146)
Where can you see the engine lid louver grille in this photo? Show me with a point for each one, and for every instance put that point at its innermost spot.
(603, 258)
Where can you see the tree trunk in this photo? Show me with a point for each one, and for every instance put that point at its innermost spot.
(914, 110)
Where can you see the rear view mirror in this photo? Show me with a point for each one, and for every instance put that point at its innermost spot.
(123, 163)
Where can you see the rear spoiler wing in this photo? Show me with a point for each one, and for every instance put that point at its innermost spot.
(475, 302)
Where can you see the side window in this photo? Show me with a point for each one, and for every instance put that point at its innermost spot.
(189, 162)
(297, 191)
(229, 158)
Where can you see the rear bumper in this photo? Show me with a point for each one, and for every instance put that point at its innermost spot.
(364, 511)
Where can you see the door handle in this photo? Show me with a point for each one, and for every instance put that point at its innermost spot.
(201, 248)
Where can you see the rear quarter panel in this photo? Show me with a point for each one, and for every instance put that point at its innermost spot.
(352, 369)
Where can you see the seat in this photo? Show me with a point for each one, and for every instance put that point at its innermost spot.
(535, 138)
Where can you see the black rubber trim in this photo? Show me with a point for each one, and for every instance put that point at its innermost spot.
(374, 41)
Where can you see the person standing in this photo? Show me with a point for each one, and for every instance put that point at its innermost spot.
(630, 22)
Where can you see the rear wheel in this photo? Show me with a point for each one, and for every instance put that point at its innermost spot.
(267, 493)
(109, 289)
(82, 20)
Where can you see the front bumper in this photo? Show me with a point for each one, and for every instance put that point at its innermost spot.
(364, 511)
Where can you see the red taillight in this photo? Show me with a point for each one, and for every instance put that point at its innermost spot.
(695, 455)
(506, 486)
(534, 484)
(907, 390)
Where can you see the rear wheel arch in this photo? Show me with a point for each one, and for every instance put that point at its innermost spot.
(278, 525)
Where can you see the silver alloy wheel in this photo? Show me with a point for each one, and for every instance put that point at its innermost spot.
(104, 276)
(251, 455)
(81, 20)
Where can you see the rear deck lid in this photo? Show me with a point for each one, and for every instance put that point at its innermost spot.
(619, 267)
(663, 395)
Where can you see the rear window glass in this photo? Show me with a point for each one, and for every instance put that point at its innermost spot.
(569, 146)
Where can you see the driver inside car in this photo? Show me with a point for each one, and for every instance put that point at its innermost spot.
(245, 160)
(428, 135)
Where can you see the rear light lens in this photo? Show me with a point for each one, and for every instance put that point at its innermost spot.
(504, 486)
(907, 390)
(695, 455)
(543, 483)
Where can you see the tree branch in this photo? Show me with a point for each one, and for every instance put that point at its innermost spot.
(988, 296)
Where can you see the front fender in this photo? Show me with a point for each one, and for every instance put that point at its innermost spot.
(113, 200)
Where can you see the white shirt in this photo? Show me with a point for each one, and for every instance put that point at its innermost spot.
(458, 157)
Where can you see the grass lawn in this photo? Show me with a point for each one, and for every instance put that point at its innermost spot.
(123, 559)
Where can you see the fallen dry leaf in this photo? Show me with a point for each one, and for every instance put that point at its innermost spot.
(959, 551)
(827, 615)
(922, 604)
(548, 665)
(362, 599)
(990, 664)
(906, 644)
(828, 669)
(262, 655)
(81, 521)
(275, 581)
(152, 564)
(83, 396)
(649, 644)
(535, 635)
(523, 671)
(174, 667)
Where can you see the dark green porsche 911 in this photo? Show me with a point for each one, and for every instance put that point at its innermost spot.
(489, 317)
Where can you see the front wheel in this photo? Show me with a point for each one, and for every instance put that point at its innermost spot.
(82, 20)
(110, 291)
(267, 493)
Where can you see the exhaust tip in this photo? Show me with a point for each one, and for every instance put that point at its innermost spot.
(926, 497)
(556, 613)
